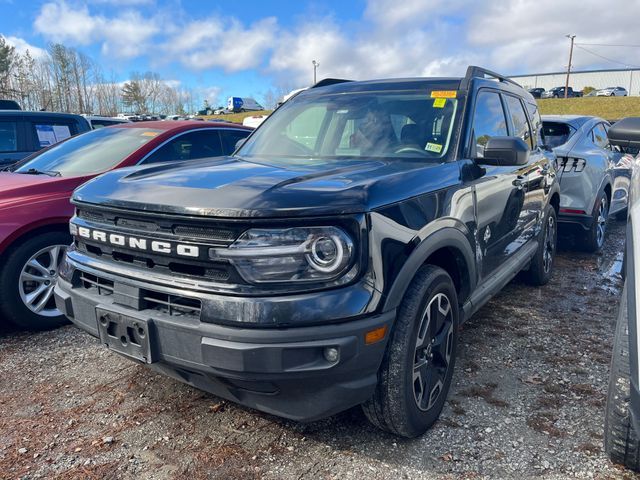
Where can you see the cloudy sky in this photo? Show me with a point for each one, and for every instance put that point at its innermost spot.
(246, 47)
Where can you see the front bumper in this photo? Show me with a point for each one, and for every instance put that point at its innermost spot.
(282, 371)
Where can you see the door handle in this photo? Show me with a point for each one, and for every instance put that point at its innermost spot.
(519, 182)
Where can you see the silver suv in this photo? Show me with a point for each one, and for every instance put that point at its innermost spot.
(594, 176)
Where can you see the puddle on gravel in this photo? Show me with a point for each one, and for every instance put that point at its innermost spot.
(610, 270)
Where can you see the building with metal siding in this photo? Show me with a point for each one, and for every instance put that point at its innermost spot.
(627, 78)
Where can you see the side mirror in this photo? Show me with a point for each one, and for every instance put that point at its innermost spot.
(505, 152)
(240, 142)
(625, 133)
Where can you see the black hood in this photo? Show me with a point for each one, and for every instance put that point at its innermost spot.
(235, 187)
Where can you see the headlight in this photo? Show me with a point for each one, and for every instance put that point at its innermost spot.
(299, 254)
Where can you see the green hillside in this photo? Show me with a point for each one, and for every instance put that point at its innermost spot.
(610, 108)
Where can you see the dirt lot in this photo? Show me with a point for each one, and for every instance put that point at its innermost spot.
(528, 400)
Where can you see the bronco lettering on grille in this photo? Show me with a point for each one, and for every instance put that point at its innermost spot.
(138, 243)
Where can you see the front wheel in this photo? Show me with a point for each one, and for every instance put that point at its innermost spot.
(620, 438)
(27, 280)
(416, 372)
(542, 263)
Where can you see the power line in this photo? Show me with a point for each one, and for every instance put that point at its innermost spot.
(605, 58)
(608, 45)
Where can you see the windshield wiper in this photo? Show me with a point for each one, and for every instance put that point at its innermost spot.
(35, 171)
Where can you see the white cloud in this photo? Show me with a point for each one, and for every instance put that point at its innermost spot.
(391, 39)
(123, 36)
(22, 46)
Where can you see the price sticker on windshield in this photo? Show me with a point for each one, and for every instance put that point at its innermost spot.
(439, 102)
(444, 94)
(434, 147)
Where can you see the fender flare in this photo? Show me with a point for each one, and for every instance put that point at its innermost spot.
(447, 237)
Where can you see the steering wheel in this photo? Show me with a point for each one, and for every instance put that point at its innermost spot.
(412, 150)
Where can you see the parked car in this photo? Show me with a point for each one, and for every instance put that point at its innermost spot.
(558, 92)
(536, 92)
(254, 121)
(98, 121)
(612, 92)
(35, 208)
(9, 105)
(594, 177)
(622, 420)
(22, 133)
(330, 261)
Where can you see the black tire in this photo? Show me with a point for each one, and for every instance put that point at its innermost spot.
(394, 406)
(620, 439)
(12, 307)
(541, 267)
(594, 238)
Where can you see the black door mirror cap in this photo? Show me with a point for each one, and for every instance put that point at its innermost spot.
(505, 152)
(625, 132)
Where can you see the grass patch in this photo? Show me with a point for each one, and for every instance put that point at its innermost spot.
(235, 117)
(609, 108)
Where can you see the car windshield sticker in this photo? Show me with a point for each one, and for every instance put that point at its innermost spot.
(443, 94)
(439, 102)
(50, 134)
(434, 147)
(149, 134)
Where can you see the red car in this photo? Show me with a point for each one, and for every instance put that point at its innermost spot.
(35, 208)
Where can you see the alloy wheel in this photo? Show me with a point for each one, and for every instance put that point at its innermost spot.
(601, 220)
(38, 279)
(549, 244)
(433, 348)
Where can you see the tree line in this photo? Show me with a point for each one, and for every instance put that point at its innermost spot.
(66, 80)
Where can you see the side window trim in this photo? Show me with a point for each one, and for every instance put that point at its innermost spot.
(158, 147)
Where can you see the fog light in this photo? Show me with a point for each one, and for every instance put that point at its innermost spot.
(331, 354)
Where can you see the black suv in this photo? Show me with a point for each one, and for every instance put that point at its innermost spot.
(22, 133)
(330, 261)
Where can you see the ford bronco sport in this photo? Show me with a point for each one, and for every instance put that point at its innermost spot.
(330, 261)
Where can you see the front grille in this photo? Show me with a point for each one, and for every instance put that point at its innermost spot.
(204, 233)
(168, 304)
(92, 282)
(171, 304)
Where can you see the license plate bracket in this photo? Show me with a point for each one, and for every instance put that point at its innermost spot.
(126, 335)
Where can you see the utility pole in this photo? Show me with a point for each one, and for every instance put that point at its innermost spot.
(315, 67)
(566, 86)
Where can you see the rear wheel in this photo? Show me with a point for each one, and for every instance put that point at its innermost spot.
(620, 439)
(416, 372)
(595, 236)
(28, 278)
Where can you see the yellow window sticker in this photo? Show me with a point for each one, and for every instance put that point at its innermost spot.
(434, 147)
(149, 134)
(444, 94)
(439, 102)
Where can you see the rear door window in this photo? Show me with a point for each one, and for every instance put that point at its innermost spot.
(599, 136)
(189, 146)
(488, 121)
(8, 137)
(49, 132)
(230, 138)
(519, 123)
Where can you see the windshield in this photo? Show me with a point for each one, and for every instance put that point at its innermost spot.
(90, 153)
(356, 125)
(557, 133)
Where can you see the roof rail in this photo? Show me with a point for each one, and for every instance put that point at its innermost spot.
(479, 72)
(330, 81)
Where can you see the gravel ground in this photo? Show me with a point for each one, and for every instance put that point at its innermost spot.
(528, 400)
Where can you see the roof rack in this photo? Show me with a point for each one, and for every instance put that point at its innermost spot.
(330, 81)
(479, 72)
